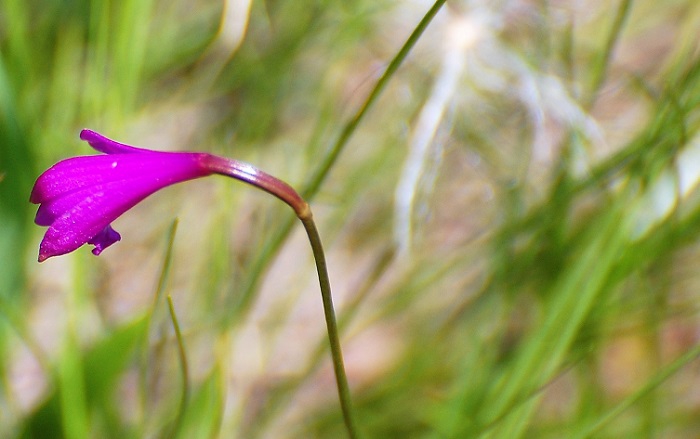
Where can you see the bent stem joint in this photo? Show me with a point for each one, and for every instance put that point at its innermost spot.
(255, 177)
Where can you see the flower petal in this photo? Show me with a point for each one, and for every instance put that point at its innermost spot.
(96, 192)
(83, 222)
(78, 172)
(85, 216)
(69, 175)
(104, 239)
(108, 146)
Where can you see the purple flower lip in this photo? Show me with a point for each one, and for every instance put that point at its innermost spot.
(81, 196)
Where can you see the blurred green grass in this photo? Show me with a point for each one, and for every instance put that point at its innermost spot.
(540, 284)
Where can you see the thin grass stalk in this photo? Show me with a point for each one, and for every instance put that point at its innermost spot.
(182, 354)
(600, 69)
(512, 403)
(658, 379)
(160, 289)
(262, 261)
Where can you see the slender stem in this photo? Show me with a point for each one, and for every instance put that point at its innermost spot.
(600, 68)
(261, 180)
(331, 325)
(314, 183)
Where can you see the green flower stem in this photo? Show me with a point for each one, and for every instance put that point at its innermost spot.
(261, 180)
(331, 324)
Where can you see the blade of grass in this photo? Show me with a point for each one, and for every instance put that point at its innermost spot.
(205, 409)
(71, 384)
(157, 298)
(600, 68)
(656, 136)
(131, 41)
(511, 404)
(185, 395)
(16, 165)
(95, 100)
(658, 379)
(262, 261)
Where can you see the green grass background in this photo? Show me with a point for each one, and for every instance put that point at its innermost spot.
(546, 286)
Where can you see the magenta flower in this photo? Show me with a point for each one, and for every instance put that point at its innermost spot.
(81, 196)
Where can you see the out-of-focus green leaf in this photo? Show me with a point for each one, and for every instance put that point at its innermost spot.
(205, 409)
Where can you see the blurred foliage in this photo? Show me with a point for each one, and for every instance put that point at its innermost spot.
(534, 277)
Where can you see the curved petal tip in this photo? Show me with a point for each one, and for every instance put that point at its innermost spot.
(106, 145)
(88, 135)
